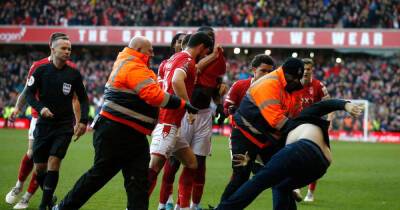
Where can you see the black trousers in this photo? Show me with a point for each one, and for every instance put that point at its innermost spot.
(294, 166)
(240, 145)
(117, 147)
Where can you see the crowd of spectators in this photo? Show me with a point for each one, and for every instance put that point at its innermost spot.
(375, 79)
(225, 13)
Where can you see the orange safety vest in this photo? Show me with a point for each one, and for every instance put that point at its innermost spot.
(264, 109)
(132, 95)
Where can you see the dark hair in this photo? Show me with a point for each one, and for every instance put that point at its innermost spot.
(56, 36)
(186, 39)
(200, 38)
(209, 31)
(205, 29)
(173, 42)
(262, 59)
(307, 61)
(293, 66)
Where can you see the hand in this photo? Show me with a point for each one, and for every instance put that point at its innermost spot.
(353, 109)
(191, 118)
(240, 159)
(14, 114)
(46, 113)
(231, 109)
(220, 114)
(216, 49)
(79, 130)
(191, 109)
(223, 89)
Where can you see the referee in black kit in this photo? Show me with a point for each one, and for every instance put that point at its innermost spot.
(50, 91)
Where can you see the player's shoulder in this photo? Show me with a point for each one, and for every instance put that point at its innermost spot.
(39, 63)
(317, 83)
(72, 65)
(242, 82)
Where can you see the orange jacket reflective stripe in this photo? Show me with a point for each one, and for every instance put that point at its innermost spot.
(269, 95)
(132, 95)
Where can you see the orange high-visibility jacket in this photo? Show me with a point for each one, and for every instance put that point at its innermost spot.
(264, 109)
(132, 95)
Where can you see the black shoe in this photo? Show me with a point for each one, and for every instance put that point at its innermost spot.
(52, 203)
(297, 196)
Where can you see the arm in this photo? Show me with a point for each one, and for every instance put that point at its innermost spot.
(80, 105)
(21, 101)
(76, 107)
(32, 87)
(153, 95)
(204, 62)
(324, 107)
(81, 94)
(178, 84)
(232, 101)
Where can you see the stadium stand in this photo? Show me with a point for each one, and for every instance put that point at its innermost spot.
(227, 13)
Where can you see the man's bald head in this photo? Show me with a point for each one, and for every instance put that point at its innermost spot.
(142, 45)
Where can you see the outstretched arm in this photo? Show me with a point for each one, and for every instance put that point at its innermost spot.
(327, 106)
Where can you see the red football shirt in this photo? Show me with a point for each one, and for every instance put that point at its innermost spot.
(208, 76)
(160, 76)
(313, 92)
(181, 61)
(236, 93)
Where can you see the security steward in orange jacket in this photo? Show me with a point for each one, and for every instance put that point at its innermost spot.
(129, 113)
(261, 117)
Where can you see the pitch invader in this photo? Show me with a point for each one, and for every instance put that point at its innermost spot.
(179, 78)
(313, 91)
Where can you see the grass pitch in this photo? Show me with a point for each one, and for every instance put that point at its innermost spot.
(363, 176)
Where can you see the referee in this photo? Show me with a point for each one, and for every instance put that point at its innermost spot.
(50, 90)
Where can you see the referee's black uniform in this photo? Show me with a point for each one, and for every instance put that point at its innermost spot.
(54, 88)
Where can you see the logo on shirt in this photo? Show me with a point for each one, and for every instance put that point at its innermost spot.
(31, 80)
(66, 88)
(166, 130)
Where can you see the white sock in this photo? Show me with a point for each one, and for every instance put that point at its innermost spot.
(19, 184)
(177, 207)
(194, 205)
(170, 199)
(161, 206)
(27, 196)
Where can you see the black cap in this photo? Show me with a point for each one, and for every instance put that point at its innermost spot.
(293, 66)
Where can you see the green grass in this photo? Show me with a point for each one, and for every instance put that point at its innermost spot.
(362, 176)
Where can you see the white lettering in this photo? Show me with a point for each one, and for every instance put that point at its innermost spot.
(103, 35)
(168, 36)
(149, 35)
(378, 39)
(158, 36)
(310, 39)
(82, 35)
(92, 36)
(269, 37)
(352, 38)
(296, 38)
(258, 38)
(246, 37)
(234, 35)
(338, 38)
(138, 33)
(365, 38)
(126, 36)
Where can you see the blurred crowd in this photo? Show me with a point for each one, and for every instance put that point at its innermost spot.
(225, 13)
(375, 79)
